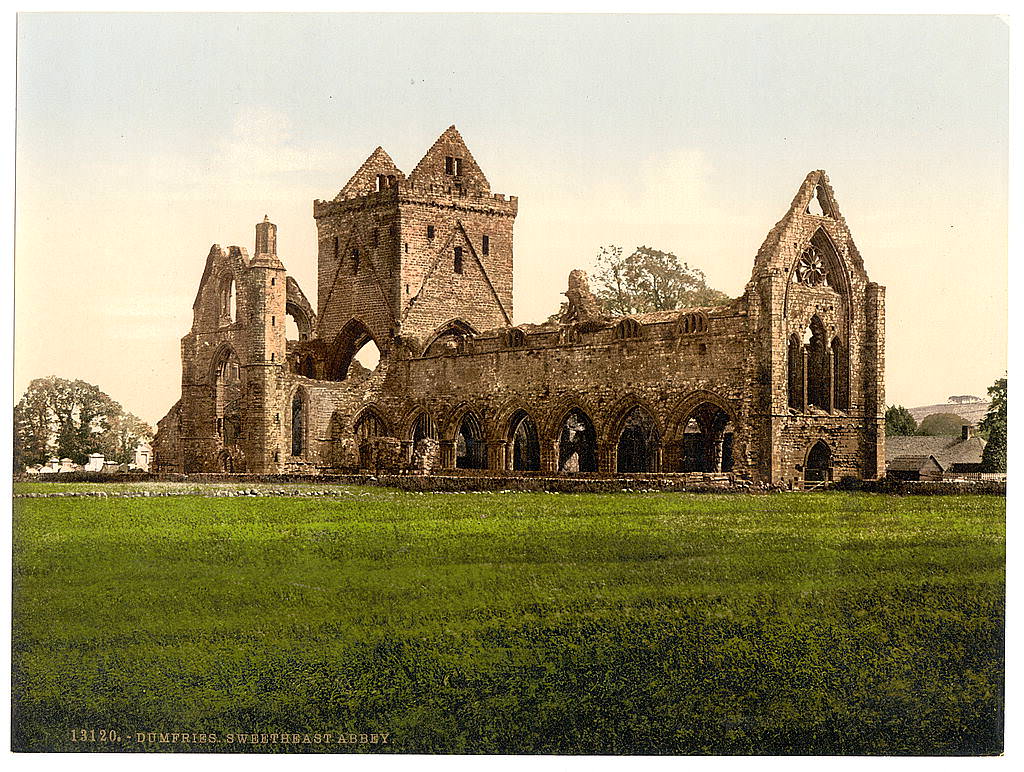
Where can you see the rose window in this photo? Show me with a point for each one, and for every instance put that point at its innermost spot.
(810, 268)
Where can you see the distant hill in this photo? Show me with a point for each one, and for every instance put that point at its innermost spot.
(972, 411)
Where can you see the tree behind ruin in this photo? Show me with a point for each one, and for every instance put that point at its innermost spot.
(649, 280)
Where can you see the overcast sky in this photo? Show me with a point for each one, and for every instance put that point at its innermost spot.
(142, 140)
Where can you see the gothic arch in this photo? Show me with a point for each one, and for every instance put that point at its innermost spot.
(458, 330)
(676, 425)
(636, 436)
(421, 424)
(221, 286)
(347, 343)
(299, 422)
(231, 460)
(628, 329)
(555, 416)
(222, 353)
(523, 440)
(819, 365)
(302, 319)
(470, 449)
(818, 462)
(497, 425)
(371, 414)
(228, 389)
(576, 437)
(709, 448)
(616, 418)
(837, 277)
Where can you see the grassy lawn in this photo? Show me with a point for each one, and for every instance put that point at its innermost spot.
(516, 623)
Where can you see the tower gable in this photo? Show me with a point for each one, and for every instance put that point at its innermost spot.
(377, 173)
(449, 166)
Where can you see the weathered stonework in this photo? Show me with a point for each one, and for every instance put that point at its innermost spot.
(783, 385)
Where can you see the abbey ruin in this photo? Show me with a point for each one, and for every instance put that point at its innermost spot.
(783, 385)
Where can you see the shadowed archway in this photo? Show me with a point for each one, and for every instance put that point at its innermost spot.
(524, 443)
(577, 443)
(638, 442)
(817, 468)
(470, 447)
(707, 440)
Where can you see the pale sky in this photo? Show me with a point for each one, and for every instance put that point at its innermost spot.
(142, 140)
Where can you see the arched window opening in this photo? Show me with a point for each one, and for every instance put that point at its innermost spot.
(819, 367)
(228, 301)
(232, 423)
(228, 392)
(627, 328)
(524, 448)
(423, 428)
(368, 426)
(470, 448)
(692, 324)
(450, 339)
(298, 324)
(637, 448)
(299, 423)
(795, 357)
(818, 467)
(516, 338)
(707, 440)
(840, 376)
(814, 205)
(365, 360)
(577, 444)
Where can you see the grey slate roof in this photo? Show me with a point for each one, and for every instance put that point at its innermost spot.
(912, 463)
(947, 450)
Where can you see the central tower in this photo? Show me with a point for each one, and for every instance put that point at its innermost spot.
(406, 255)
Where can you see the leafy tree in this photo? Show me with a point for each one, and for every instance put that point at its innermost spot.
(941, 425)
(993, 458)
(71, 419)
(649, 280)
(899, 421)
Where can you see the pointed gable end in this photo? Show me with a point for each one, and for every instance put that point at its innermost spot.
(813, 211)
(377, 172)
(449, 166)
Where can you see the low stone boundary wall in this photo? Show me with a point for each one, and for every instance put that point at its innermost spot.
(456, 481)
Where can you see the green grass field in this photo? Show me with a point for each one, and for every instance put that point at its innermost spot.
(514, 623)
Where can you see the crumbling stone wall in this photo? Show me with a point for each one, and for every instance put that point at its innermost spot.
(783, 385)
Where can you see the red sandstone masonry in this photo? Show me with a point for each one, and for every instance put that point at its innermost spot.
(451, 354)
